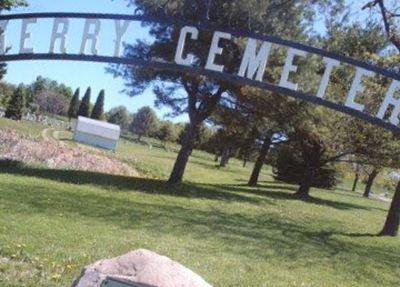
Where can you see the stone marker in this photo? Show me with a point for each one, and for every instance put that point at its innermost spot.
(141, 267)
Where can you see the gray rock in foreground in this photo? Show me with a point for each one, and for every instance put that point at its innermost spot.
(143, 267)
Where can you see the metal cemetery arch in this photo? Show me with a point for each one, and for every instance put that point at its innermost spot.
(206, 72)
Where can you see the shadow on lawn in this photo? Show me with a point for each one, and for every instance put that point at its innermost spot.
(282, 192)
(256, 234)
(191, 190)
(125, 183)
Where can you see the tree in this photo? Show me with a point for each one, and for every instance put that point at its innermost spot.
(201, 138)
(370, 181)
(51, 102)
(120, 116)
(42, 87)
(271, 114)
(15, 107)
(195, 94)
(144, 122)
(357, 170)
(6, 92)
(304, 161)
(74, 105)
(391, 227)
(391, 27)
(98, 109)
(390, 19)
(166, 133)
(84, 107)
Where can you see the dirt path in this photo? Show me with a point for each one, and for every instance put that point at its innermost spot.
(47, 134)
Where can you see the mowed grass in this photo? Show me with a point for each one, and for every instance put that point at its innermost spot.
(54, 222)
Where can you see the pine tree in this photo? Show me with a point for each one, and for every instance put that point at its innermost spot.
(16, 104)
(98, 109)
(74, 105)
(84, 107)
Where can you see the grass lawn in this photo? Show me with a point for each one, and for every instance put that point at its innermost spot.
(54, 222)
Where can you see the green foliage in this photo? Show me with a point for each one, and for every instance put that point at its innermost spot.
(48, 96)
(98, 109)
(6, 91)
(144, 122)
(166, 133)
(84, 107)
(202, 137)
(120, 116)
(290, 167)
(8, 4)
(74, 105)
(304, 161)
(45, 84)
(15, 107)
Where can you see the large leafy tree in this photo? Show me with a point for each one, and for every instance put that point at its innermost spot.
(120, 116)
(194, 94)
(144, 122)
(166, 133)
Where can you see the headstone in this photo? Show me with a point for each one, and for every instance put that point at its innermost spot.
(140, 268)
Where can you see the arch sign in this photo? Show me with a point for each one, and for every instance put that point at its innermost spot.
(253, 66)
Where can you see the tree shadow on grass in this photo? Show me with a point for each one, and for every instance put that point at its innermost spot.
(284, 192)
(252, 234)
(125, 183)
(225, 192)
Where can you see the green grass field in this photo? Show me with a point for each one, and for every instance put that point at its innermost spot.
(54, 222)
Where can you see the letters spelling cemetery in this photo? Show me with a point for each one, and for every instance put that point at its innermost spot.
(253, 66)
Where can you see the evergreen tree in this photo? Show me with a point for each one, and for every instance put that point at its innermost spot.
(16, 104)
(84, 107)
(74, 105)
(144, 122)
(98, 109)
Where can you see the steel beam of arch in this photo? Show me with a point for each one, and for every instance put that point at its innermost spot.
(208, 73)
(211, 27)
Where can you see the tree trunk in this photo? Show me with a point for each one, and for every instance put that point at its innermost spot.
(356, 178)
(184, 154)
(225, 157)
(371, 179)
(245, 162)
(253, 181)
(304, 189)
(391, 227)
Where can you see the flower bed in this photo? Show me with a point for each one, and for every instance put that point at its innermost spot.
(55, 154)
